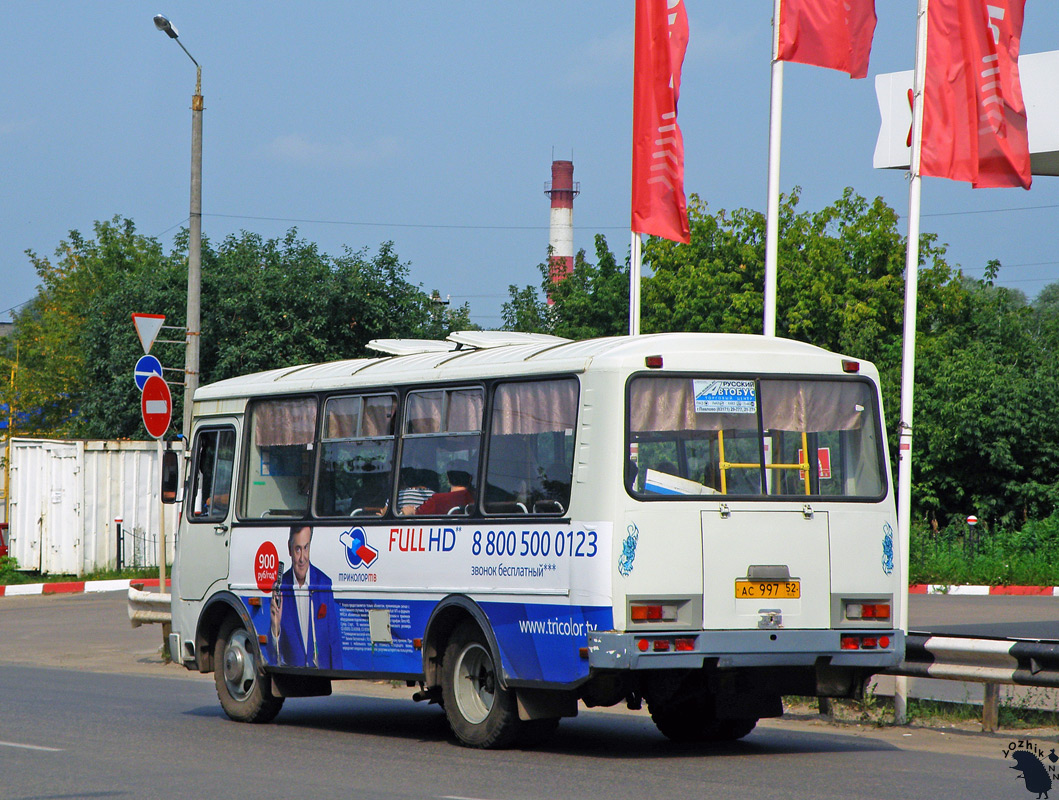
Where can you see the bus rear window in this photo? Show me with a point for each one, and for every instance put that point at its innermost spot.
(790, 437)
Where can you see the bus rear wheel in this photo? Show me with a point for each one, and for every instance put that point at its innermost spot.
(480, 711)
(691, 722)
(245, 693)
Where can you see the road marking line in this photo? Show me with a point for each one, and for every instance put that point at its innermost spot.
(31, 747)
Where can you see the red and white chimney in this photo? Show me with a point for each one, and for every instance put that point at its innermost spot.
(562, 190)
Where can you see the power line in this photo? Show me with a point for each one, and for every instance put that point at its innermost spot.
(14, 308)
(401, 224)
(990, 211)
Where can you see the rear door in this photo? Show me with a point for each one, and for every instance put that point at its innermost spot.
(755, 562)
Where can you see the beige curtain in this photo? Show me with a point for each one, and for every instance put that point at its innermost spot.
(285, 422)
(537, 407)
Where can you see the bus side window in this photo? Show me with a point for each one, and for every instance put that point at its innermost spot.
(212, 475)
(529, 465)
(356, 456)
(279, 458)
(442, 434)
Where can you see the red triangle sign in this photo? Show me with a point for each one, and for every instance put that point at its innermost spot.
(147, 328)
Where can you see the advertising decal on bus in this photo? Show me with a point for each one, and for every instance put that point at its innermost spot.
(564, 571)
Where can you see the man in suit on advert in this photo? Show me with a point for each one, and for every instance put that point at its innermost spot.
(304, 617)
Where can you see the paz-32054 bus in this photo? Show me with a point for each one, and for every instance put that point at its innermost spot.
(518, 523)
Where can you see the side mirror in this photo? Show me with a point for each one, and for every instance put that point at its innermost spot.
(170, 476)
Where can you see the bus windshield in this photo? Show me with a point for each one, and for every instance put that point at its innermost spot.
(786, 437)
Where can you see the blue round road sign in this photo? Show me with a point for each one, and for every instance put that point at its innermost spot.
(145, 368)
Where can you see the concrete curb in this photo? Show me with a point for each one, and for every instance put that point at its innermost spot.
(70, 587)
(937, 588)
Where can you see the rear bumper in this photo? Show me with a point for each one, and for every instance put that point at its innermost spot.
(730, 649)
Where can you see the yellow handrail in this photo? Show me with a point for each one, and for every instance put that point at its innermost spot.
(724, 465)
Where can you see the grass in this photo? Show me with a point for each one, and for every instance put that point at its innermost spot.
(960, 554)
(11, 575)
(879, 712)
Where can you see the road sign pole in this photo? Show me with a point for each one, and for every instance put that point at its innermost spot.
(166, 627)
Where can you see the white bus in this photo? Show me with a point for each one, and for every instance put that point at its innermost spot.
(517, 523)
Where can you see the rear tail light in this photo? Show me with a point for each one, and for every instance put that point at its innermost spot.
(685, 645)
(875, 611)
(864, 642)
(661, 645)
(652, 613)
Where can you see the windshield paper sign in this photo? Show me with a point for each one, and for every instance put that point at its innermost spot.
(725, 397)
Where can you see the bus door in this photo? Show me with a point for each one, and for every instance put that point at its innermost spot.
(203, 547)
(765, 569)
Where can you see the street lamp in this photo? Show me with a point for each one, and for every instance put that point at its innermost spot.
(191, 359)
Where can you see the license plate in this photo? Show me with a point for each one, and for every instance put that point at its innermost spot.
(768, 590)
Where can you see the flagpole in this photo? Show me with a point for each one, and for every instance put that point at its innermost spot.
(773, 202)
(635, 260)
(908, 356)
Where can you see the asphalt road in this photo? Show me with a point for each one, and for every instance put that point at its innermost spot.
(1012, 616)
(68, 733)
(88, 710)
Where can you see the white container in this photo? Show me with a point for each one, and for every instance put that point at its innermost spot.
(66, 496)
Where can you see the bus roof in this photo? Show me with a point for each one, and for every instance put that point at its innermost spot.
(474, 355)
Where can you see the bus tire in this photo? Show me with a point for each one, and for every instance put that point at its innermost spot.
(481, 713)
(244, 691)
(690, 723)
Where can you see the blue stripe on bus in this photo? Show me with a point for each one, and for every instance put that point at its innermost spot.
(537, 642)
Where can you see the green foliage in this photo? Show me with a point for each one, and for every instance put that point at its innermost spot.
(987, 440)
(592, 301)
(960, 554)
(9, 573)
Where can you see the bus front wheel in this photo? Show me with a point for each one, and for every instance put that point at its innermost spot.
(245, 693)
(480, 712)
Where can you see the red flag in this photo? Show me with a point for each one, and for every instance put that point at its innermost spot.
(835, 34)
(658, 204)
(974, 119)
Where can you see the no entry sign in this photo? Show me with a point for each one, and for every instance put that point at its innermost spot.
(156, 405)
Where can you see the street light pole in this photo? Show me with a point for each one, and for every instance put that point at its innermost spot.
(191, 359)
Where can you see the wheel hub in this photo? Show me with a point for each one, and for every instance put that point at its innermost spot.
(233, 664)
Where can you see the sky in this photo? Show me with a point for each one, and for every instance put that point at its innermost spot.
(433, 125)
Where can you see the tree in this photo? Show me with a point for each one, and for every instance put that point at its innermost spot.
(987, 440)
(592, 301)
(52, 332)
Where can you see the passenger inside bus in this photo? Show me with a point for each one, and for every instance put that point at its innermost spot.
(418, 486)
(459, 495)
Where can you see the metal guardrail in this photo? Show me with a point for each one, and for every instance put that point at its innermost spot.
(149, 607)
(1011, 661)
(1016, 662)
